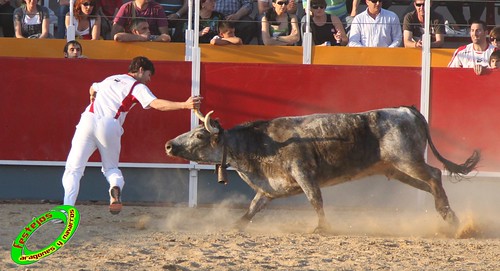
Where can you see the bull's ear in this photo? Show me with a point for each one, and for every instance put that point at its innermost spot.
(214, 140)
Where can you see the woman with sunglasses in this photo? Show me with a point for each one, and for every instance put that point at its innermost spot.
(495, 37)
(327, 30)
(278, 26)
(86, 21)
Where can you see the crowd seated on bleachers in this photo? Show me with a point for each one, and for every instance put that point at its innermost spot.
(247, 16)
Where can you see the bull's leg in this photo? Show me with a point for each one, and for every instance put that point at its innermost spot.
(258, 202)
(427, 178)
(313, 194)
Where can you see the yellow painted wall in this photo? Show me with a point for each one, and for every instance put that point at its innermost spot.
(53, 48)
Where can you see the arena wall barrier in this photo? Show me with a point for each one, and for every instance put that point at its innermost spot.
(46, 97)
(400, 57)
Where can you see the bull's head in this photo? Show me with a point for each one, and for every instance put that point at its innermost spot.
(201, 144)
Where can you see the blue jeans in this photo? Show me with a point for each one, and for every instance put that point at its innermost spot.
(61, 25)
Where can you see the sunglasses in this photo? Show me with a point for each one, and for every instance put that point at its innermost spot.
(375, 1)
(419, 4)
(281, 3)
(317, 6)
(89, 4)
(494, 39)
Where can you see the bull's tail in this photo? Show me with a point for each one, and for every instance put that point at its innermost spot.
(455, 169)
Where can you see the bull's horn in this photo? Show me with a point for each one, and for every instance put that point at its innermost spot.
(199, 114)
(208, 126)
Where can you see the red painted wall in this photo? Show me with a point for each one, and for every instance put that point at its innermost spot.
(465, 115)
(42, 100)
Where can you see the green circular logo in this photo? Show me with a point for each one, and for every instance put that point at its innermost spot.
(69, 215)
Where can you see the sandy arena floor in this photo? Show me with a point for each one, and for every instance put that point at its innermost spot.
(180, 238)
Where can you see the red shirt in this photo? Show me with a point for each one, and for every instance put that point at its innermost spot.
(154, 14)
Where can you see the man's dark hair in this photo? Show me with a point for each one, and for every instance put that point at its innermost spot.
(141, 62)
(75, 43)
(134, 24)
(485, 26)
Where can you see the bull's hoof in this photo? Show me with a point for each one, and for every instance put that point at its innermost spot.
(452, 219)
(323, 229)
(241, 224)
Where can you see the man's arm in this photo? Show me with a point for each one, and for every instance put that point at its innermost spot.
(116, 28)
(166, 105)
(396, 34)
(439, 42)
(245, 9)
(355, 33)
(127, 37)
(408, 39)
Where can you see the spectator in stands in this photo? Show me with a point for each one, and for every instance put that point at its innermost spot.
(326, 29)
(226, 35)
(264, 5)
(239, 11)
(279, 27)
(31, 20)
(139, 31)
(456, 10)
(337, 8)
(375, 27)
(152, 11)
(85, 20)
(107, 9)
(413, 27)
(495, 60)
(176, 11)
(209, 21)
(7, 18)
(73, 49)
(476, 53)
(61, 18)
(495, 37)
(493, 64)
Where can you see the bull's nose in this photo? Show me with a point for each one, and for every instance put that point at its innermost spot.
(168, 147)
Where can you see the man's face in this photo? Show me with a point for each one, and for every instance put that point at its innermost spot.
(419, 7)
(477, 33)
(374, 6)
(74, 51)
(142, 29)
(144, 76)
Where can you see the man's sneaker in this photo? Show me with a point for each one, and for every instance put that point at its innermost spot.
(115, 204)
(450, 31)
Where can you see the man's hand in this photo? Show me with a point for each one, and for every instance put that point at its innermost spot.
(193, 102)
(479, 69)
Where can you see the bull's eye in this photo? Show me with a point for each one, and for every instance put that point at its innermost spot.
(199, 136)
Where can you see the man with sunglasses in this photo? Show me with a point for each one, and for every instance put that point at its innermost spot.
(375, 27)
(476, 53)
(413, 27)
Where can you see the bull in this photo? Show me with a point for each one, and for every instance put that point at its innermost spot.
(291, 155)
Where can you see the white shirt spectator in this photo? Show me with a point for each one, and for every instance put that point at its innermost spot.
(466, 57)
(383, 31)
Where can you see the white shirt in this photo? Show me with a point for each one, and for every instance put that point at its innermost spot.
(383, 31)
(113, 93)
(466, 57)
(86, 31)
